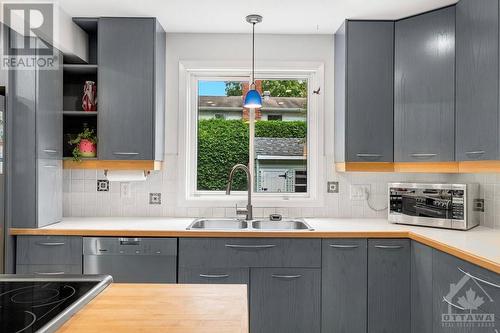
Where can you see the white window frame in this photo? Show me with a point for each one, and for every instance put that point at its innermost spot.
(189, 74)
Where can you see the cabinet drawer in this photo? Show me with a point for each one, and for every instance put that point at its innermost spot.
(214, 275)
(49, 270)
(49, 250)
(249, 252)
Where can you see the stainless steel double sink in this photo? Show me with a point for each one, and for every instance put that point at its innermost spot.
(254, 225)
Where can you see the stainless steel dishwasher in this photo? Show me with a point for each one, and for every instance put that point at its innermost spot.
(131, 260)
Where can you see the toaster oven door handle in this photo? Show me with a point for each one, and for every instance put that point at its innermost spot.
(428, 210)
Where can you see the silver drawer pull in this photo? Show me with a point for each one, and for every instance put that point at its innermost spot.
(478, 279)
(477, 152)
(50, 151)
(50, 166)
(125, 153)
(342, 246)
(51, 243)
(264, 246)
(423, 155)
(388, 247)
(368, 155)
(214, 276)
(454, 305)
(277, 276)
(49, 273)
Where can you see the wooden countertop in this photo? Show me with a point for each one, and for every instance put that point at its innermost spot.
(479, 245)
(172, 308)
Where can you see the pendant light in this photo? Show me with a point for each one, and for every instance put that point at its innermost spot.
(253, 100)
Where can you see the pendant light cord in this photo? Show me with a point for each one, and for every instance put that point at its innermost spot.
(253, 54)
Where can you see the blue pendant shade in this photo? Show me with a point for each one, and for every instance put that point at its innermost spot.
(253, 100)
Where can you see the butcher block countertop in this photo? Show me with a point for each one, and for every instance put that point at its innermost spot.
(480, 245)
(172, 308)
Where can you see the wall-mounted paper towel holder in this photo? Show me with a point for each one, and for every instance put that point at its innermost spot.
(126, 175)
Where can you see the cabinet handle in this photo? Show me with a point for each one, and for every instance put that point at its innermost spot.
(125, 153)
(388, 247)
(214, 276)
(50, 151)
(264, 246)
(342, 246)
(51, 243)
(49, 273)
(476, 152)
(288, 277)
(454, 305)
(478, 279)
(368, 155)
(422, 155)
(48, 166)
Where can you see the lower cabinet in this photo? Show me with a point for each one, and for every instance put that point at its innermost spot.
(388, 285)
(421, 288)
(344, 287)
(284, 300)
(466, 298)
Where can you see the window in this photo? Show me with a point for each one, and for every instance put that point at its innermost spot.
(276, 117)
(280, 142)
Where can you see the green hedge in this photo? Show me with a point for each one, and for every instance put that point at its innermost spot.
(224, 143)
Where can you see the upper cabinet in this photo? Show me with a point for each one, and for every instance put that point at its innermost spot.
(131, 74)
(424, 87)
(364, 57)
(477, 87)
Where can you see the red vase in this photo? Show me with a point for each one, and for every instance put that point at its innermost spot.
(89, 99)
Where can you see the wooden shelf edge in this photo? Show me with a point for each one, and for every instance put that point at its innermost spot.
(365, 167)
(113, 165)
(426, 167)
(479, 166)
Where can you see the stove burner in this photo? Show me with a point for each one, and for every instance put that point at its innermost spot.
(37, 295)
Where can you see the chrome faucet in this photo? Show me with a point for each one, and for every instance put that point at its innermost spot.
(242, 211)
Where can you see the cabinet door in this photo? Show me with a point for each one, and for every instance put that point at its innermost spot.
(477, 80)
(49, 116)
(125, 88)
(49, 191)
(284, 300)
(424, 94)
(370, 80)
(388, 285)
(421, 288)
(214, 275)
(466, 298)
(343, 285)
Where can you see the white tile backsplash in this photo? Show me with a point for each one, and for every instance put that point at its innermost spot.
(82, 199)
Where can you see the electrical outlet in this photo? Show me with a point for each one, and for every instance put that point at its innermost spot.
(333, 187)
(102, 185)
(359, 191)
(155, 198)
(125, 190)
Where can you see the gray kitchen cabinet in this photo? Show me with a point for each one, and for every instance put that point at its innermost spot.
(284, 300)
(34, 145)
(343, 285)
(388, 285)
(477, 86)
(465, 297)
(249, 252)
(424, 87)
(364, 80)
(131, 76)
(49, 255)
(214, 275)
(421, 288)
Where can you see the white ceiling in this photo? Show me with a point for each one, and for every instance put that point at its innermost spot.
(227, 16)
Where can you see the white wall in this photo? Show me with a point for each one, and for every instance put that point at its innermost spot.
(82, 199)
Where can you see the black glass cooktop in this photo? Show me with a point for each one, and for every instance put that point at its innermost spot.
(26, 306)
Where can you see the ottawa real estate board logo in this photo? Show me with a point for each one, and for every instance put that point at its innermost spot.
(469, 306)
(27, 36)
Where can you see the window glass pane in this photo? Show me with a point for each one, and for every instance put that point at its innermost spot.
(222, 135)
(281, 137)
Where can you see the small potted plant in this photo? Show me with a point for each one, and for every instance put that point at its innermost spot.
(85, 145)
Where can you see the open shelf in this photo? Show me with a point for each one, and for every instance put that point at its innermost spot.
(80, 113)
(80, 68)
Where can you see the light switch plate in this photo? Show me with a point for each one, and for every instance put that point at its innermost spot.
(333, 187)
(155, 198)
(359, 191)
